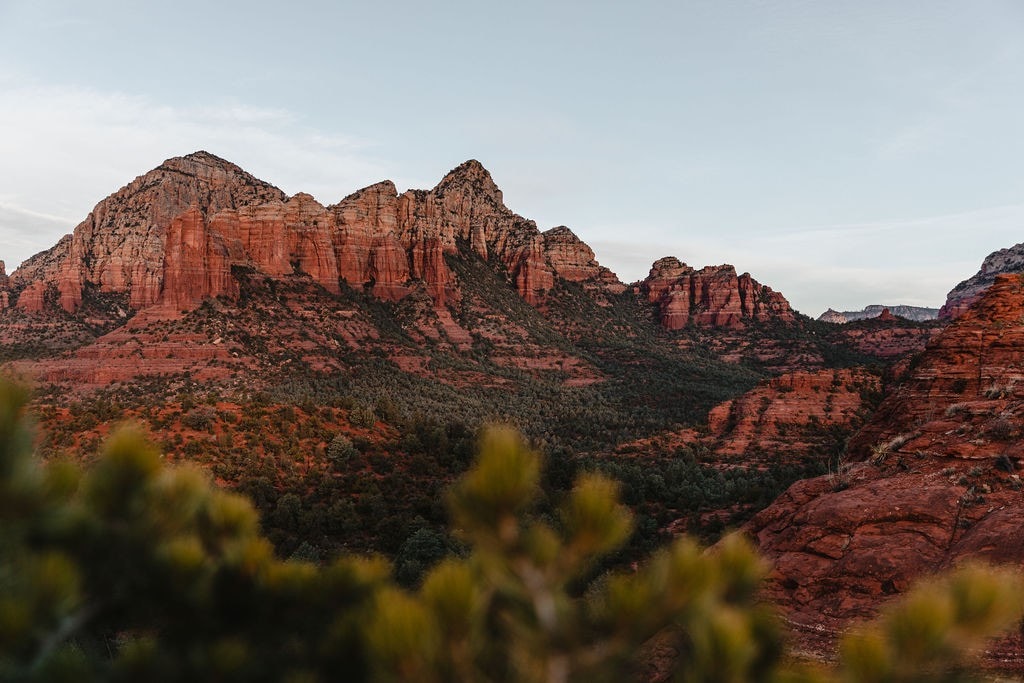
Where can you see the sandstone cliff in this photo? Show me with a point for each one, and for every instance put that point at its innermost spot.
(711, 297)
(960, 298)
(930, 481)
(172, 236)
(121, 245)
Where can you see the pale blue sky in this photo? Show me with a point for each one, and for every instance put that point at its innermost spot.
(844, 153)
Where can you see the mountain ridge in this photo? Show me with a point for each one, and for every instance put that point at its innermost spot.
(172, 235)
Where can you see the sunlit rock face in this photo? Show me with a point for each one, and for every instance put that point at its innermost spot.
(173, 235)
(714, 296)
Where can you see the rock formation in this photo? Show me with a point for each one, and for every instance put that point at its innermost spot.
(173, 235)
(574, 261)
(960, 298)
(120, 246)
(930, 479)
(833, 316)
(711, 297)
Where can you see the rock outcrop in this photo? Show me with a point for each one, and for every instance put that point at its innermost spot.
(960, 298)
(888, 337)
(574, 261)
(711, 297)
(931, 479)
(173, 236)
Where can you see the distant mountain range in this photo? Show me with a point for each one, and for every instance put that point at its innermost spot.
(916, 313)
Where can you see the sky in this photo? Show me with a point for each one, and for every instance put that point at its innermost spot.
(843, 153)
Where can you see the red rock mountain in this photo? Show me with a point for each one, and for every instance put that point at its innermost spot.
(930, 481)
(173, 235)
(960, 298)
(711, 297)
(121, 245)
(198, 228)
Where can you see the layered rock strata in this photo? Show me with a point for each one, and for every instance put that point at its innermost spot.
(173, 235)
(714, 296)
(960, 298)
(930, 481)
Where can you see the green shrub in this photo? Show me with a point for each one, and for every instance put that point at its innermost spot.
(136, 571)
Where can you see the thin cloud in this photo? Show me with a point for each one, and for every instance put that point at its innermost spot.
(8, 208)
(912, 261)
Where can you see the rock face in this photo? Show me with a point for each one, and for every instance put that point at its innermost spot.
(172, 237)
(120, 246)
(960, 298)
(711, 297)
(574, 261)
(915, 313)
(932, 480)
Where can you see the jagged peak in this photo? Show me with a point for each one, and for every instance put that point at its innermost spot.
(203, 155)
(384, 187)
(202, 163)
(561, 232)
(668, 266)
(206, 168)
(470, 174)
(200, 158)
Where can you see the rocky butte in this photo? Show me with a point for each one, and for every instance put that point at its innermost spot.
(710, 297)
(197, 228)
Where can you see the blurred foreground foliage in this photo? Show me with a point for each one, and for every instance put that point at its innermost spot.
(134, 571)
